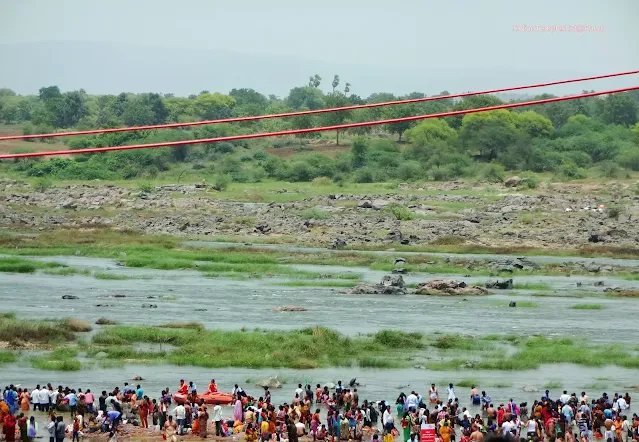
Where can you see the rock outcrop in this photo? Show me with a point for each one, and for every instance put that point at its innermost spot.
(506, 284)
(389, 285)
(449, 287)
(270, 382)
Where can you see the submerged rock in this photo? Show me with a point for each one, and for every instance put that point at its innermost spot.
(69, 297)
(449, 287)
(290, 308)
(389, 285)
(105, 321)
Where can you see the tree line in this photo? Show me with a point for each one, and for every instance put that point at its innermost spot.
(565, 138)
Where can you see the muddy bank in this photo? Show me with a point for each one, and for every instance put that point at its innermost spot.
(491, 220)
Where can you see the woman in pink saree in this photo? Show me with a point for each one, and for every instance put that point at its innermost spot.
(237, 413)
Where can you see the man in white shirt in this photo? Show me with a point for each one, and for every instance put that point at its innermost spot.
(388, 420)
(564, 398)
(180, 417)
(506, 428)
(621, 404)
(299, 392)
(412, 401)
(44, 399)
(35, 398)
(217, 418)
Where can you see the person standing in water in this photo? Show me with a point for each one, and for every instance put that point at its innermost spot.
(451, 393)
(433, 394)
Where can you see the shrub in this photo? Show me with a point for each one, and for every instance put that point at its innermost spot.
(315, 213)
(222, 182)
(42, 184)
(530, 180)
(400, 212)
(613, 212)
(144, 186)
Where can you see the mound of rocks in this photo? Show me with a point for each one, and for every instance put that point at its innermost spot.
(389, 285)
(512, 264)
(506, 284)
(290, 308)
(449, 287)
(270, 382)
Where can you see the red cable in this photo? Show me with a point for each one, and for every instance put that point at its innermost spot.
(314, 129)
(317, 111)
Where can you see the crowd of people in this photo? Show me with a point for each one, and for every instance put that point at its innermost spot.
(321, 413)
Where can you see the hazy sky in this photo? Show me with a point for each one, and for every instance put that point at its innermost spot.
(404, 34)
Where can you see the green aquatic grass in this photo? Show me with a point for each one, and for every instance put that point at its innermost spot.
(8, 357)
(302, 349)
(316, 283)
(46, 363)
(587, 307)
(38, 332)
(467, 383)
(532, 286)
(501, 385)
(520, 304)
(552, 385)
(19, 265)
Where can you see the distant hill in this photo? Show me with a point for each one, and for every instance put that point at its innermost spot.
(112, 68)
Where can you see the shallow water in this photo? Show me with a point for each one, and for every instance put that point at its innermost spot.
(232, 304)
(375, 384)
(453, 256)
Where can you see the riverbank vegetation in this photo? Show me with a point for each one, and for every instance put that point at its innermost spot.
(190, 344)
(163, 252)
(571, 139)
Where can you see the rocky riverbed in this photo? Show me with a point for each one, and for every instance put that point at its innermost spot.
(565, 216)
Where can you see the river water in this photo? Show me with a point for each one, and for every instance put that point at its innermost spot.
(218, 303)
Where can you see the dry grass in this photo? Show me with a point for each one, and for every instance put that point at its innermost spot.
(77, 325)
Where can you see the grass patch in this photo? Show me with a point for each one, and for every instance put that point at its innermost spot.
(110, 276)
(501, 385)
(315, 213)
(587, 307)
(467, 383)
(46, 363)
(541, 286)
(185, 325)
(8, 357)
(316, 284)
(76, 325)
(320, 347)
(552, 385)
(13, 330)
(520, 304)
(19, 265)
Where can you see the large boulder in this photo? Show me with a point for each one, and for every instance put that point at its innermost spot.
(389, 285)
(449, 287)
(513, 181)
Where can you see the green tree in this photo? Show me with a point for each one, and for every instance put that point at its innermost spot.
(620, 109)
(393, 112)
(314, 81)
(138, 112)
(336, 99)
(491, 133)
(305, 122)
(472, 102)
(335, 82)
(305, 97)
(245, 96)
(359, 150)
(6, 92)
(214, 106)
(534, 125)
